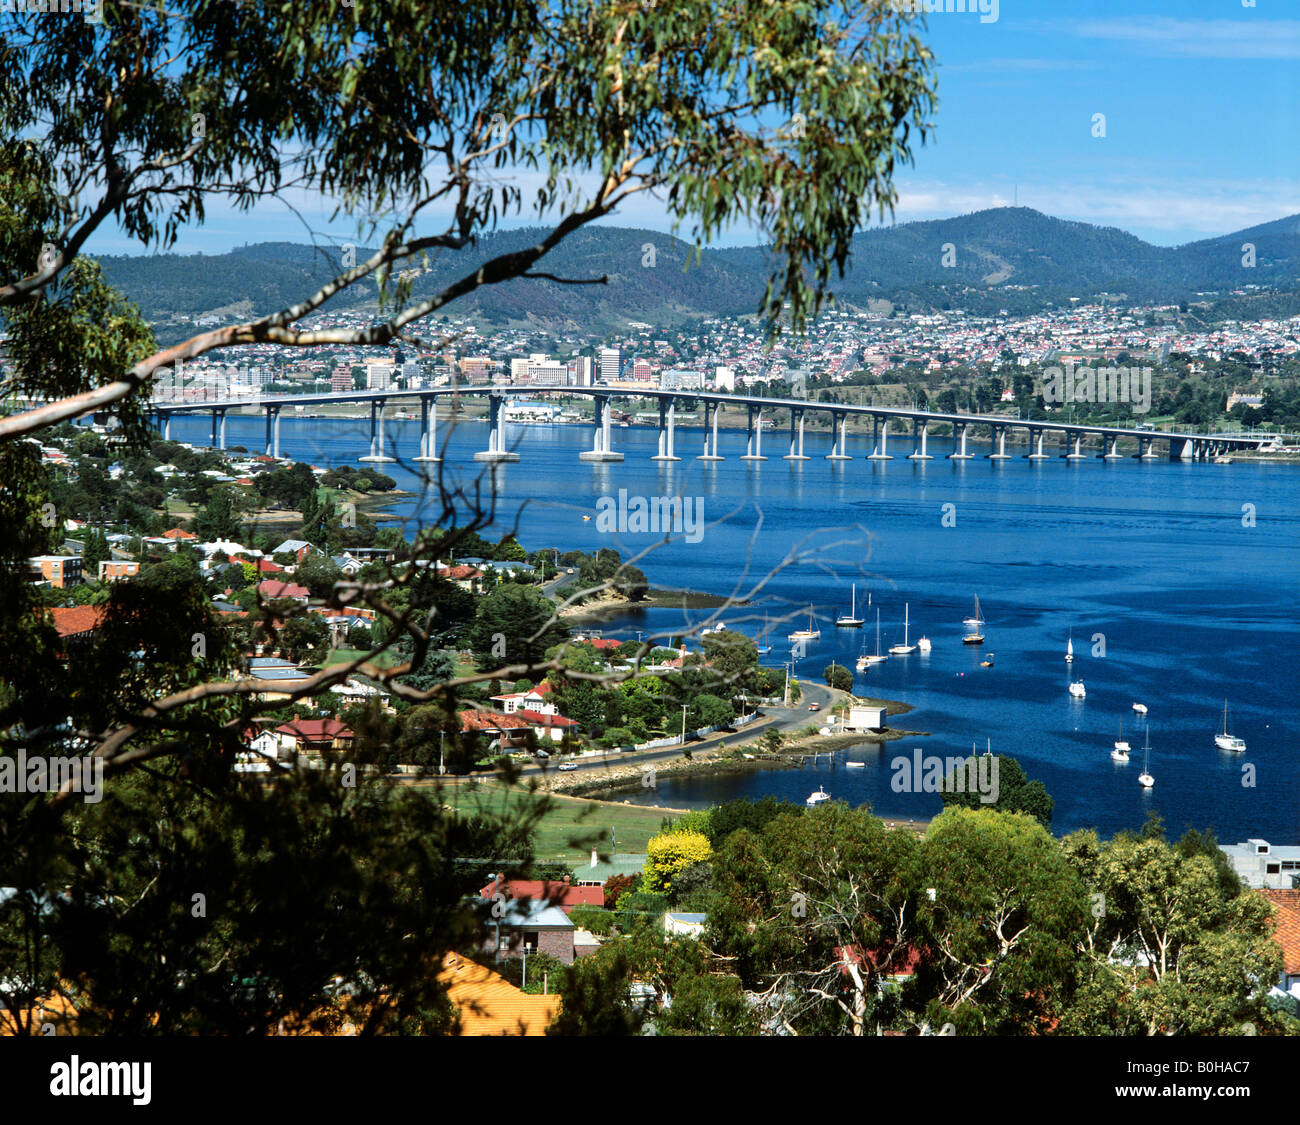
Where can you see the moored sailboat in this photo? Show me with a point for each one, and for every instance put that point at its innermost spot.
(1226, 741)
(1144, 778)
(852, 620)
(904, 648)
(975, 625)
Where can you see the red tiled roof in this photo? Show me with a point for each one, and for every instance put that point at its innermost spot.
(564, 895)
(69, 621)
(1286, 930)
(489, 721)
(273, 588)
(538, 719)
(606, 643)
(178, 533)
(315, 730)
(266, 566)
(459, 572)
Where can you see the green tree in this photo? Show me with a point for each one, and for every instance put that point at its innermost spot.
(1015, 792)
(514, 625)
(838, 677)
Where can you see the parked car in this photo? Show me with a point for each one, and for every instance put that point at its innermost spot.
(565, 767)
(814, 707)
(542, 754)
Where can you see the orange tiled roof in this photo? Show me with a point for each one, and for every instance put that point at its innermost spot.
(69, 621)
(1286, 929)
(491, 1005)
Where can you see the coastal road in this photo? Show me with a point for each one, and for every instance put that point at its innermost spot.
(780, 719)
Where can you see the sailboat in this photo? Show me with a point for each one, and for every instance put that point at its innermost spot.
(852, 621)
(809, 634)
(904, 648)
(976, 626)
(1120, 753)
(876, 658)
(763, 649)
(1225, 741)
(1144, 778)
(1077, 689)
(1069, 648)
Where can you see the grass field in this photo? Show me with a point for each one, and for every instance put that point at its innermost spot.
(573, 826)
(342, 655)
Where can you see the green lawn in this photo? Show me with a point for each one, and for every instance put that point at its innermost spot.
(342, 655)
(567, 831)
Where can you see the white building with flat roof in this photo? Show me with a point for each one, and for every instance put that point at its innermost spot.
(1261, 864)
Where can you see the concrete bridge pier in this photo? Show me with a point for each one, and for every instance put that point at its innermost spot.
(1112, 453)
(960, 454)
(667, 421)
(272, 430)
(840, 439)
(1184, 450)
(1001, 454)
(428, 430)
(880, 446)
(754, 436)
(602, 444)
(1146, 452)
(796, 437)
(1077, 454)
(377, 456)
(496, 451)
(218, 429)
(1038, 454)
(167, 427)
(918, 449)
(710, 453)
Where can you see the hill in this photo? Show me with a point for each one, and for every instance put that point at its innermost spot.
(1008, 257)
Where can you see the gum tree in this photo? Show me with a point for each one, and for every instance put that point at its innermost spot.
(424, 125)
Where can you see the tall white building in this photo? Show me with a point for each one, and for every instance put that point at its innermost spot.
(379, 375)
(724, 378)
(611, 364)
(581, 371)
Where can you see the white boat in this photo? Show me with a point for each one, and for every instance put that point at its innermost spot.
(904, 648)
(1140, 708)
(923, 644)
(763, 649)
(876, 657)
(975, 625)
(852, 621)
(1069, 649)
(809, 634)
(855, 765)
(1077, 689)
(818, 797)
(1225, 741)
(1122, 748)
(1144, 778)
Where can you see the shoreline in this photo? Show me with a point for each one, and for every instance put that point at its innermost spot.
(611, 605)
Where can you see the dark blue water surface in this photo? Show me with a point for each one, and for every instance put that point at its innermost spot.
(1172, 600)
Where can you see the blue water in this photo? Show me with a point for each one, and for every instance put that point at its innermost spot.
(1172, 601)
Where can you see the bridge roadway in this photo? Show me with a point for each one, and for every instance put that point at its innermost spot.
(1181, 447)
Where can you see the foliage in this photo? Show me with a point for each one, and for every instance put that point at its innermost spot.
(668, 854)
(838, 677)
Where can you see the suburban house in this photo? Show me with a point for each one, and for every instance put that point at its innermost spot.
(562, 893)
(527, 925)
(274, 590)
(1261, 864)
(685, 925)
(313, 736)
(488, 1004)
(510, 731)
(532, 700)
(299, 548)
(58, 570)
(180, 535)
(466, 577)
(1286, 932)
(111, 570)
(261, 740)
(279, 677)
(77, 623)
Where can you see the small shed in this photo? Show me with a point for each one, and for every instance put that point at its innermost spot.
(865, 718)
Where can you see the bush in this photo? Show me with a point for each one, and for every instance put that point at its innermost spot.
(592, 919)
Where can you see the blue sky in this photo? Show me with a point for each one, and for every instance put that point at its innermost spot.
(1199, 96)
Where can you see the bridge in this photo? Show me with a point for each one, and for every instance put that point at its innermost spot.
(1179, 446)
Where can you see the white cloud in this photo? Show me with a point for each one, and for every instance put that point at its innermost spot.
(1245, 38)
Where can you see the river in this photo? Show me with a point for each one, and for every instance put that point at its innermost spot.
(1177, 582)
